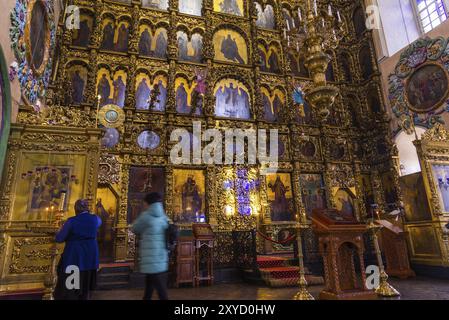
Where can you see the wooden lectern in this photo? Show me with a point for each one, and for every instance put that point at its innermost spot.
(394, 247)
(204, 239)
(341, 246)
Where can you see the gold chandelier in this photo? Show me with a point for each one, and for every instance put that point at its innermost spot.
(320, 29)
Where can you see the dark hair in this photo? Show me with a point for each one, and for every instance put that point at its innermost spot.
(152, 197)
(81, 205)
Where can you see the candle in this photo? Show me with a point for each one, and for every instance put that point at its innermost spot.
(293, 22)
(288, 40)
(285, 33)
(338, 15)
(315, 7)
(288, 25)
(61, 203)
(299, 14)
(330, 10)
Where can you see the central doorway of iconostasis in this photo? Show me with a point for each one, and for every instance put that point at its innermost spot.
(107, 209)
(143, 180)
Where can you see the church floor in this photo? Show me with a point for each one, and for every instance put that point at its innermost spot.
(414, 289)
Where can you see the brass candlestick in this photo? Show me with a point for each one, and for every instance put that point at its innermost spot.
(303, 293)
(384, 289)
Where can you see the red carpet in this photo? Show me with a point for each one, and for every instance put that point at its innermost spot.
(278, 271)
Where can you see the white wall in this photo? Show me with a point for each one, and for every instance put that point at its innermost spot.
(408, 157)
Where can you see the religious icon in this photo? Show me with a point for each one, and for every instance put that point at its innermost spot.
(143, 94)
(345, 203)
(337, 151)
(162, 97)
(119, 90)
(78, 82)
(280, 197)
(373, 101)
(389, 188)
(38, 34)
(273, 104)
(47, 190)
(366, 62)
(181, 99)
(143, 180)
(427, 88)
(330, 75)
(441, 176)
(193, 7)
(265, 17)
(230, 50)
(232, 100)
(190, 50)
(345, 67)
(234, 7)
(414, 197)
(273, 61)
(313, 192)
(368, 193)
(157, 4)
(263, 59)
(148, 140)
(104, 87)
(308, 149)
(184, 98)
(108, 36)
(110, 138)
(160, 50)
(145, 42)
(230, 46)
(189, 195)
(122, 38)
(82, 35)
(106, 209)
(359, 20)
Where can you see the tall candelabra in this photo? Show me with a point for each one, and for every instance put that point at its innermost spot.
(320, 29)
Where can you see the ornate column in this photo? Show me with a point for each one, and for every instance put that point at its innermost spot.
(121, 231)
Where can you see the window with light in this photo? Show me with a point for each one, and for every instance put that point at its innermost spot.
(431, 13)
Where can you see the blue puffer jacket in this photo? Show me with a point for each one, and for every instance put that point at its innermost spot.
(151, 228)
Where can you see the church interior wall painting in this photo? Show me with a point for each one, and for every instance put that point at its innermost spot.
(232, 100)
(190, 49)
(192, 7)
(230, 46)
(266, 17)
(78, 81)
(81, 36)
(153, 44)
(143, 180)
(273, 104)
(184, 97)
(419, 85)
(312, 191)
(155, 4)
(441, 177)
(189, 195)
(280, 197)
(111, 90)
(234, 7)
(414, 196)
(145, 85)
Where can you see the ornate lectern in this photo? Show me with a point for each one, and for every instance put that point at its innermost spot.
(341, 246)
(204, 246)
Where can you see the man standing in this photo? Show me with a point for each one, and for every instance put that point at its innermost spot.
(80, 254)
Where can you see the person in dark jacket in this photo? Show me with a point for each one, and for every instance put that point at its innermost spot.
(151, 226)
(81, 251)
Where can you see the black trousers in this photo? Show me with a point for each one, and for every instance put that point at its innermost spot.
(156, 281)
(87, 284)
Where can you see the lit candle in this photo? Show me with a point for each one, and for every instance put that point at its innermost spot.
(315, 7)
(338, 15)
(288, 40)
(288, 25)
(330, 10)
(293, 22)
(299, 14)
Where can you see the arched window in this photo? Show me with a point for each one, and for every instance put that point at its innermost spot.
(430, 13)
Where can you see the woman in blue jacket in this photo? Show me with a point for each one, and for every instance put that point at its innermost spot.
(80, 253)
(151, 227)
